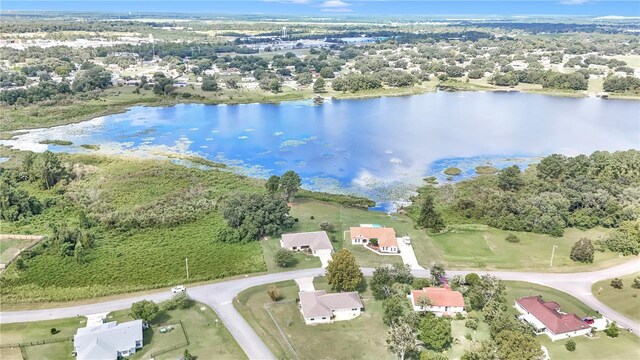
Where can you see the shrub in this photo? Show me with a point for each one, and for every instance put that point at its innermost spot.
(284, 257)
(326, 226)
(471, 279)
(471, 323)
(468, 336)
(178, 301)
(570, 345)
(582, 251)
(54, 331)
(512, 238)
(612, 331)
(459, 316)
(636, 283)
(274, 293)
(373, 241)
(420, 283)
(617, 283)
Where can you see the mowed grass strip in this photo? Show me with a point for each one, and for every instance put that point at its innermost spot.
(208, 337)
(361, 338)
(625, 300)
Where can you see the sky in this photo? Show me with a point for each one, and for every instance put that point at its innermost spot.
(342, 7)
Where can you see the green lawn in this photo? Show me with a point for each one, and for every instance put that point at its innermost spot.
(482, 247)
(303, 261)
(361, 338)
(623, 300)
(208, 337)
(624, 347)
(467, 246)
(39, 331)
(460, 343)
(9, 248)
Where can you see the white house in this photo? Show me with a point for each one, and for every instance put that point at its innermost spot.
(384, 239)
(317, 242)
(546, 317)
(318, 307)
(441, 301)
(109, 341)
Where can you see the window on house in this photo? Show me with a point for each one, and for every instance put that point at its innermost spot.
(324, 318)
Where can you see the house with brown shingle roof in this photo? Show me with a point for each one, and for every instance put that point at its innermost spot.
(385, 238)
(318, 307)
(546, 317)
(440, 301)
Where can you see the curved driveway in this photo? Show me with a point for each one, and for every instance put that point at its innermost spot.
(220, 297)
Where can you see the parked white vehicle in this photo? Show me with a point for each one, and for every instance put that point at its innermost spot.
(179, 288)
(407, 240)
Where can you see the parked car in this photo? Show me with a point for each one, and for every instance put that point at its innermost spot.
(179, 288)
(588, 320)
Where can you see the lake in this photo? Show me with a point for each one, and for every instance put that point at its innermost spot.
(380, 147)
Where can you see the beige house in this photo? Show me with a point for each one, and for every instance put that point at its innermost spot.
(318, 307)
(316, 241)
(441, 301)
(381, 239)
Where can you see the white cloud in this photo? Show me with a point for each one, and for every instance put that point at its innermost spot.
(334, 4)
(573, 2)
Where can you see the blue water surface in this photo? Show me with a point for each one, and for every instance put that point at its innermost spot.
(380, 147)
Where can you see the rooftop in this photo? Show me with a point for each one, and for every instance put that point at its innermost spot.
(104, 341)
(385, 236)
(320, 304)
(440, 296)
(315, 240)
(548, 314)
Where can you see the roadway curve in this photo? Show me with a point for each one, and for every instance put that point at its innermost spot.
(220, 297)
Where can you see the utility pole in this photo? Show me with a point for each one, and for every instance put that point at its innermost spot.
(553, 251)
(186, 264)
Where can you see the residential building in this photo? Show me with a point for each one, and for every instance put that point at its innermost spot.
(546, 317)
(385, 238)
(108, 341)
(318, 307)
(316, 241)
(441, 301)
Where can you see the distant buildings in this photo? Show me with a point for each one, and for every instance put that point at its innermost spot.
(318, 307)
(108, 341)
(546, 317)
(440, 301)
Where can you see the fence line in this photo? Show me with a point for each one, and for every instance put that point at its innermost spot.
(177, 346)
(34, 343)
(266, 308)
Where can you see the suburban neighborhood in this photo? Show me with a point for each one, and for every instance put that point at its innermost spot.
(319, 180)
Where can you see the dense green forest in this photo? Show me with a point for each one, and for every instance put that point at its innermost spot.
(602, 189)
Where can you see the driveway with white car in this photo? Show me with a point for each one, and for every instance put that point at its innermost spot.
(408, 256)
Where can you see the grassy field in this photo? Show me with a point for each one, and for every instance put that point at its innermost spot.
(208, 337)
(624, 300)
(39, 331)
(361, 338)
(137, 259)
(9, 248)
(483, 247)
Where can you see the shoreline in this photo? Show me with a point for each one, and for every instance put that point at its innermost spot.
(449, 86)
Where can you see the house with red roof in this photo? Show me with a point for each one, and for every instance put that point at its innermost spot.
(546, 317)
(378, 238)
(440, 301)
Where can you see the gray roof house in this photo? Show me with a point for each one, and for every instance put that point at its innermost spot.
(108, 341)
(316, 241)
(318, 307)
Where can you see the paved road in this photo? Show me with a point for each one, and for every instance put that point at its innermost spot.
(220, 297)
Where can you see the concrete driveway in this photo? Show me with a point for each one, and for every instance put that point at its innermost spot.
(408, 256)
(305, 284)
(324, 259)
